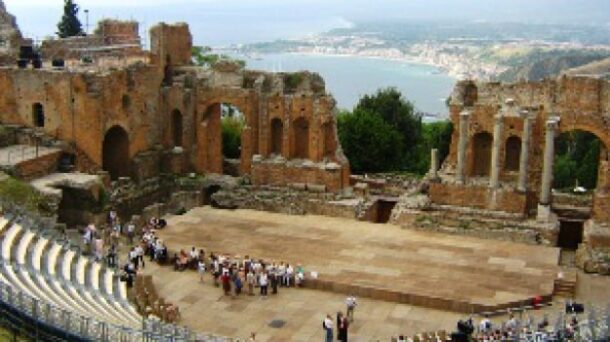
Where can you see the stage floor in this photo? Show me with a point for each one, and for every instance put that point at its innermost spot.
(386, 262)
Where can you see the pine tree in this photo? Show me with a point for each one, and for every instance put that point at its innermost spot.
(69, 25)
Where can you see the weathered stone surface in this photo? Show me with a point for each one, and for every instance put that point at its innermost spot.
(129, 115)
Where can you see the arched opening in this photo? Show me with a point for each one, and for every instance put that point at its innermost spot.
(115, 153)
(577, 173)
(301, 138)
(577, 161)
(470, 95)
(225, 124)
(177, 129)
(38, 118)
(512, 154)
(208, 192)
(481, 156)
(329, 140)
(277, 134)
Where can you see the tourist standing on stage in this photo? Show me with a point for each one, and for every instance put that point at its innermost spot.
(226, 282)
(342, 325)
(351, 304)
(327, 324)
(263, 282)
(251, 279)
(201, 269)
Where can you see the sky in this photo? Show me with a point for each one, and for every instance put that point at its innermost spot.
(223, 22)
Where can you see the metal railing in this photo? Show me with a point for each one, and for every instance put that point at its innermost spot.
(34, 317)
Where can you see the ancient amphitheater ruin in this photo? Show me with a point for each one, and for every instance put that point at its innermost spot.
(98, 123)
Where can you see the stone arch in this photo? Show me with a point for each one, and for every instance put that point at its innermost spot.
(38, 117)
(512, 154)
(300, 134)
(276, 136)
(575, 149)
(177, 128)
(220, 141)
(115, 152)
(481, 154)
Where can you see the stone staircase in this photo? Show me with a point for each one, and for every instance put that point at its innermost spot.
(566, 287)
(478, 223)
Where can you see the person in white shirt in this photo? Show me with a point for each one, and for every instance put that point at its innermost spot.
(327, 324)
(485, 324)
(201, 269)
(351, 304)
(263, 281)
(288, 275)
(140, 255)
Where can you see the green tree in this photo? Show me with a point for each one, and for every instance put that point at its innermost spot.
(576, 160)
(231, 128)
(400, 115)
(370, 143)
(70, 26)
(433, 135)
(203, 56)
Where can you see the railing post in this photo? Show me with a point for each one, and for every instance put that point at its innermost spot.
(48, 315)
(20, 300)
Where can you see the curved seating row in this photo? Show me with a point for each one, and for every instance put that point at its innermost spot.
(53, 272)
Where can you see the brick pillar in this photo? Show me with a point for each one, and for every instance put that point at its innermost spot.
(494, 179)
(462, 144)
(525, 149)
(549, 156)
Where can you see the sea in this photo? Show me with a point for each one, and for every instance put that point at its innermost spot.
(348, 78)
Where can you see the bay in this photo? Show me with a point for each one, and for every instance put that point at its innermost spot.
(349, 77)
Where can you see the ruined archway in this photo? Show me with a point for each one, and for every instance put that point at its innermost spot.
(38, 118)
(276, 137)
(224, 124)
(300, 138)
(177, 128)
(115, 153)
(579, 169)
(512, 153)
(578, 156)
(481, 154)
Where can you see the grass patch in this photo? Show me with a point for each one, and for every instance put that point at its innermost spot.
(24, 195)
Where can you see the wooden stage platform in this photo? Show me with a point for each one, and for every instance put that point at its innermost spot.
(384, 262)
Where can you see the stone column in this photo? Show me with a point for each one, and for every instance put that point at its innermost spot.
(494, 179)
(549, 156)
(434, 163)
(462, 144)
(525, 149)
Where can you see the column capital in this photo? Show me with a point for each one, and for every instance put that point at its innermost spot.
(552, 124)
(499, 118)
(465, 113)
(524, 114)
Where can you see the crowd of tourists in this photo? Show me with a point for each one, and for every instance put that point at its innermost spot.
(517, 327)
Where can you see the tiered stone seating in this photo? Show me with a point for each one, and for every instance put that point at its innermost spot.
(57, 274)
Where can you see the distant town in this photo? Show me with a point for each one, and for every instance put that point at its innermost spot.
(480, 50)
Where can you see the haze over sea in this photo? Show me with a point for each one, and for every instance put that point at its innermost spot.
(348, 78)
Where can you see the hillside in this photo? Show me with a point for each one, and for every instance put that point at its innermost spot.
(538, 65)
(601, 67)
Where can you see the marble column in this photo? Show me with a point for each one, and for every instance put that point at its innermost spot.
(434, 163)
(549, 156)
(525, 149)
(462, 144)
(494, 179)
